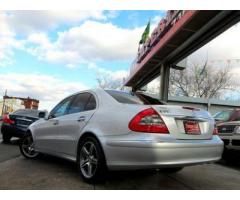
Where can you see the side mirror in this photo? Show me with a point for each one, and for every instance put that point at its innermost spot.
(46, 115)
(42, 114)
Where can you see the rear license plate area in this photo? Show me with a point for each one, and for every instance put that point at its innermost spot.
(192, 127)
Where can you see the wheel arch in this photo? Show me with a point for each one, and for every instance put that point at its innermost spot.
(28, 131)
(89, 134)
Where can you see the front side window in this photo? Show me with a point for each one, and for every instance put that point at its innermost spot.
(82, 102)
(61, 108)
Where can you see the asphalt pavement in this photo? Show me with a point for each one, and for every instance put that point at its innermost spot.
(47, 172)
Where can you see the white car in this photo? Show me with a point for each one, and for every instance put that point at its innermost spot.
(116, 130)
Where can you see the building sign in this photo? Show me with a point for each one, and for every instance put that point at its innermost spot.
(163, 27)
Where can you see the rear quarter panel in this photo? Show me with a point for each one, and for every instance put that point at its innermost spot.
(113, 119)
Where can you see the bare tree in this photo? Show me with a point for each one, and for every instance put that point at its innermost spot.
(106, 81)
(204, 81)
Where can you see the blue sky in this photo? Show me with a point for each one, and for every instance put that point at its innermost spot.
(50, 54)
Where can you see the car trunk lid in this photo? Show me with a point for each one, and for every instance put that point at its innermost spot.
(22, 121)
(186, 122)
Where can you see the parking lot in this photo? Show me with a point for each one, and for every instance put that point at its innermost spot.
(48, 172)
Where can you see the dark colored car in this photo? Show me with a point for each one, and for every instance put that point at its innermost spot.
(16, 123)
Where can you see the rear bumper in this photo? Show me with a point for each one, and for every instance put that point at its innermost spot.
(151, 154)
(13, 130)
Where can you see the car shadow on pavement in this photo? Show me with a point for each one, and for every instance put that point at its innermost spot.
(139, 179)
(63, 163)
(231, 159)
(12, 142)
(134, 179)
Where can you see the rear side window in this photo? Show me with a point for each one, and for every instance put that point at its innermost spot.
(27, 112)
(125, 97)
(91, 104)
(82, 102)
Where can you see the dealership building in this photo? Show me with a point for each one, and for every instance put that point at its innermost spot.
(179, 35)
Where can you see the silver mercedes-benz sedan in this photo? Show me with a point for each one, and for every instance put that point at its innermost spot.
(116, 130)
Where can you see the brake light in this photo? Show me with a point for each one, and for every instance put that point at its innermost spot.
(7, 120)
(148, 121)
(215, 131)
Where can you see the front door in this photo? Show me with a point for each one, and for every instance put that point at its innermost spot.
(70, 125)
(47, 133)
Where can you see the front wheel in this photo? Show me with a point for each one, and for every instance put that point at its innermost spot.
(26, 146)
(91, 160)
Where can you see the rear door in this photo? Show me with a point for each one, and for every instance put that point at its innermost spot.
(187, 123)
(70, 125)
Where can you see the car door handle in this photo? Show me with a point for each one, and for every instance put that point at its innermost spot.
(81, 119)
(54, 121)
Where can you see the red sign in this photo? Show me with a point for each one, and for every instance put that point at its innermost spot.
(192, 127)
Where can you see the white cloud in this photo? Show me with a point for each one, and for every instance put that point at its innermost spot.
(39, 38)
(48, 89)
(7, 42)
(156, 19)
(114, 75)
(91, 41)
(112, 13)
(26, 21)
(223, 48)
(120, 74)
(222, 51)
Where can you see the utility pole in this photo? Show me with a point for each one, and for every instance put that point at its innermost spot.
(164, 82)
(3, 106)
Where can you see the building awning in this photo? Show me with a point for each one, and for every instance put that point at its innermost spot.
(185, 34)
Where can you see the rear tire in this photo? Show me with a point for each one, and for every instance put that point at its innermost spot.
(26, 146)
(91, 161)
(6, 138)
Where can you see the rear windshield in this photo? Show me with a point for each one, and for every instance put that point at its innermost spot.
(30, 113)
(131, 98)
(223, 115)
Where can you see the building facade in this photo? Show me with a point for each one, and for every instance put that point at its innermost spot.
(10, 104)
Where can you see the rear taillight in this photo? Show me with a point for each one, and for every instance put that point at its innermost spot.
(7, 120)
(148, 121)
(215, 131)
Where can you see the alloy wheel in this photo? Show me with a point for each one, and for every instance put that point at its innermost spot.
(88, 159)
(28, 147)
